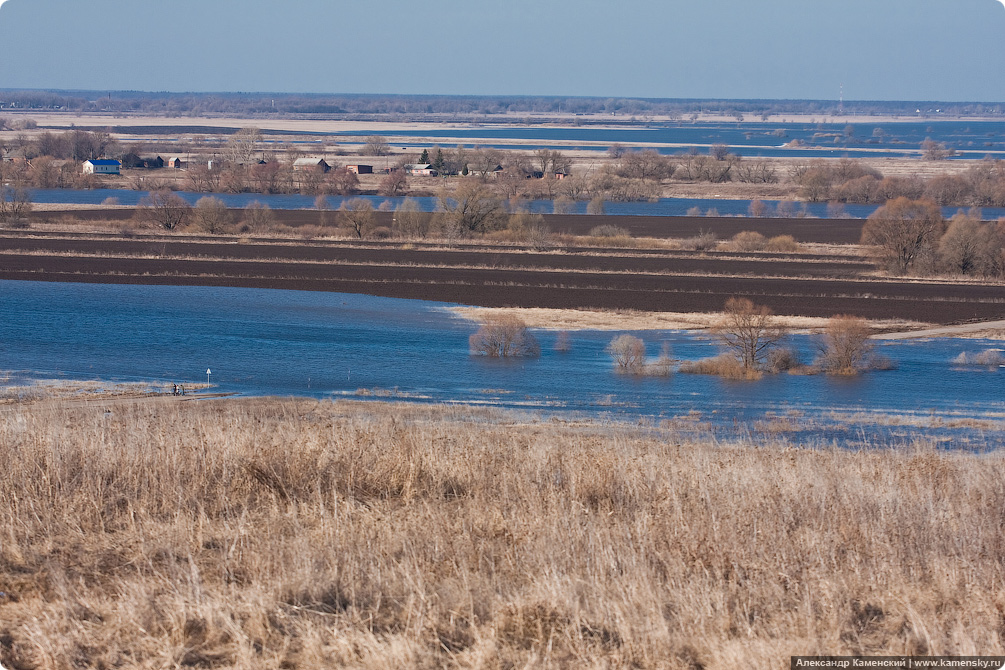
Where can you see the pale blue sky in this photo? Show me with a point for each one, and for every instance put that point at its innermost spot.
(879, 49)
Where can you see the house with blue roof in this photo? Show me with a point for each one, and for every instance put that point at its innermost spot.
(102, 166)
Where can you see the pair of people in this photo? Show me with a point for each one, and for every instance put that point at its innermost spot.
(177, 390)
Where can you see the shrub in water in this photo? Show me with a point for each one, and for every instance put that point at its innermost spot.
(503, 336)
(629, 353)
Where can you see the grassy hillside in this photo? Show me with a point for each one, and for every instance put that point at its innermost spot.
(302, 534)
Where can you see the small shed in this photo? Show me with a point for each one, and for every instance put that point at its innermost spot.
(360, 169)
(102, 166)
(317, 164)
(176, 162)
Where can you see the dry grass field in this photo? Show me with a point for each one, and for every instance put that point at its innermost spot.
(269, 533)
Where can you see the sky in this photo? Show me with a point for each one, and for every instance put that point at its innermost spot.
(945, 50)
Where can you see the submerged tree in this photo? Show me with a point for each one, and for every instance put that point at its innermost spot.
(503, 336)
(628, 352)
(749, 331)
(845, 349)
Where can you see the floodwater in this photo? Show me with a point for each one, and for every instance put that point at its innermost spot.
(661, 207)
(325, 345)
(972, 139)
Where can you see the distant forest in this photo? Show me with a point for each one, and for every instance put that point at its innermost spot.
(362, 107)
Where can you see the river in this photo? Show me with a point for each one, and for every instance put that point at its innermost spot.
(329, 345)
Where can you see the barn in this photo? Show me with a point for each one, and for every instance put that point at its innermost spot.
(316, 164)
(102, 166)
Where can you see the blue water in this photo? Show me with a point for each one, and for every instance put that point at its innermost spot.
(662, 207)
(270, 342)
(973, 139)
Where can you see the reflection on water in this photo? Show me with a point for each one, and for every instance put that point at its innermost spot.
(661, 207)
(273, 342)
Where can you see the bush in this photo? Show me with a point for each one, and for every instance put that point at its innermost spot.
(991, 358)
(628, 352)
(758, 209)
(662, 366)
(165, 209)
(563, 342)
(748, 240)
(258, 217)
(846, 349)
(503, 336)
(782, 360)
(596, 206)
(723, 365)
(782, 244)
(703, 241)
(211, 215)
(609, 230)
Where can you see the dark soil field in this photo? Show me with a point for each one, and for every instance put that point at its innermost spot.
(496, 276)
(809, 231)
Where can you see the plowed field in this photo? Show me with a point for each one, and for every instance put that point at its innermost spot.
(495, 276)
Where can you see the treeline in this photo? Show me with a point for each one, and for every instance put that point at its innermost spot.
(269, 104)
(912, 237)
(982, 185)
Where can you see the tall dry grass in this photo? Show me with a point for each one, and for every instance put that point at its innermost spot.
(302, 534)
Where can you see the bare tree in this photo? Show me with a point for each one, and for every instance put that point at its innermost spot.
(342, 182)
(902, 230)
(211, 215)
(749, 331)
(485, 160)
(375, 145)
(324, 209)
(243, 145)
(972, 247)
(409, 219)
(563, 205)
(258, 216)
(845, 349)
(935, 151)
(648, 165)
(168, 210)
(472, 208)
(596, 206)
(503, 336)
(203, 178)
(758, 209)
(551, 162)
(15, 198)
(719, 152)
(628, 352)
(949, 189)
(394, 183)
(356, 215)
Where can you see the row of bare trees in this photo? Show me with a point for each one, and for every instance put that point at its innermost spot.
(751, 335)
(982, 185)
(912, 237)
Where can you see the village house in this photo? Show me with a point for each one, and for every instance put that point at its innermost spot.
(176, 162)
(420, 170)
(102, 166)
(360, 169)
(305, 164)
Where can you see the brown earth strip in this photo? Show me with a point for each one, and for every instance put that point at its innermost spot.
(592, 260)
(493, 287)
(810, 231)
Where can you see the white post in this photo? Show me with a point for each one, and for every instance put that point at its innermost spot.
(208, 373)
